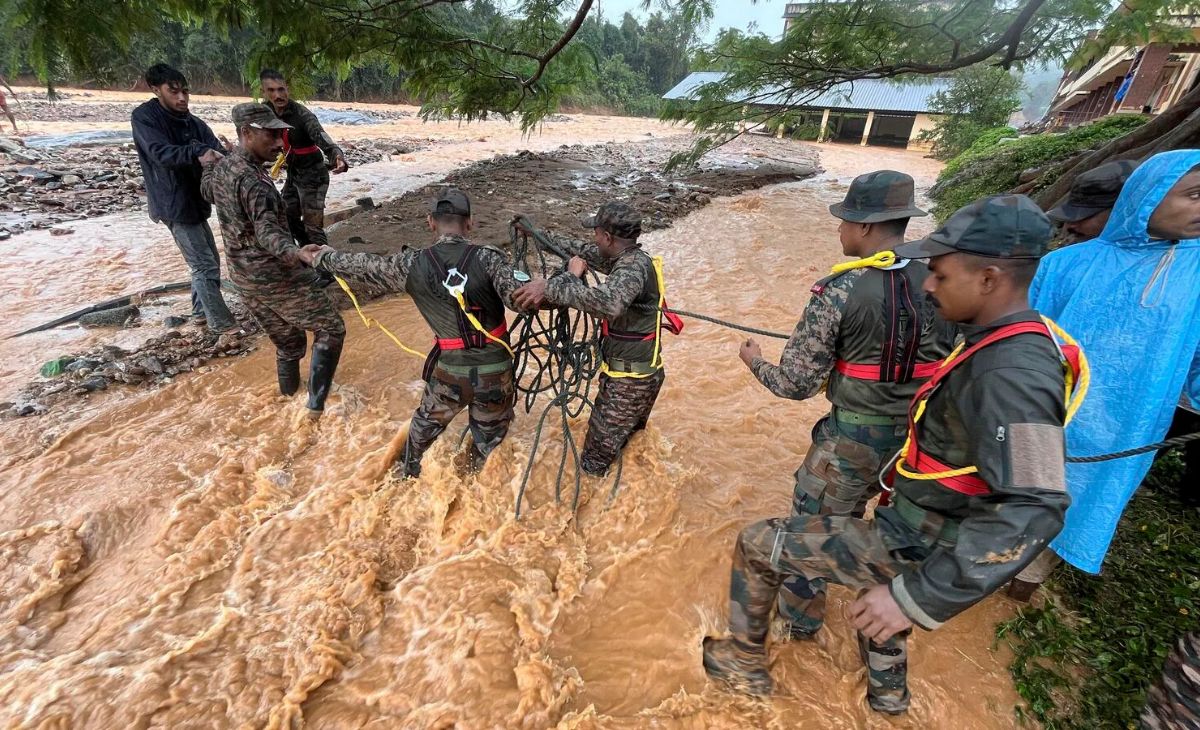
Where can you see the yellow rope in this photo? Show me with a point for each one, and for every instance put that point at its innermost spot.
(1076, 391)
(881, 260)
(278, 165)
(462, 303)
(372, 322)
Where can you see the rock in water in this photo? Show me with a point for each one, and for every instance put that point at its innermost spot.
(115, 317)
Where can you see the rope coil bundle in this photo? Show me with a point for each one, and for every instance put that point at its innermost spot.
(556, 355)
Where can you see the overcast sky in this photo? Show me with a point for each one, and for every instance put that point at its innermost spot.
(768, 14)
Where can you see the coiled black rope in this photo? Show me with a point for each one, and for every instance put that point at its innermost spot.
(556, 355)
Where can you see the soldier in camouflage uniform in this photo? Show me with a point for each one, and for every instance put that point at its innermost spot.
(1174, 703)
(307, 146)
(466, 368)
(948, 539)
(868, 332)
(627, 302)
(282, 294)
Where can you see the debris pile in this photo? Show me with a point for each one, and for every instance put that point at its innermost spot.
(156, 362)
(47, 186)
(44, 187)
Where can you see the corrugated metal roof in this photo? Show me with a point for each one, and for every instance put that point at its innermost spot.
(870, 94)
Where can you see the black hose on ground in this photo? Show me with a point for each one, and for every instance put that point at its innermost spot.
(113, 303)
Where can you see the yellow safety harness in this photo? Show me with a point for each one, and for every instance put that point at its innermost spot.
(656, 358)
(1077, 376)
(457, 290)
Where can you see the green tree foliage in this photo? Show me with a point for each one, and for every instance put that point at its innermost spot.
(836, 41)
(458, 56)
(979, 98)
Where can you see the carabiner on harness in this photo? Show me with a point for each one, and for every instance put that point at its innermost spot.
(456, 290)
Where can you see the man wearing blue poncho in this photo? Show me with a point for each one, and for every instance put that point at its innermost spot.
(1131, 298)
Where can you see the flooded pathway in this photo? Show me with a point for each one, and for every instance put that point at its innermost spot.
(201, 556)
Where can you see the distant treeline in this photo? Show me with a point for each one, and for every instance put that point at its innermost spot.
(635, 62)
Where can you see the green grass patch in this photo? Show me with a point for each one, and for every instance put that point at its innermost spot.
(994, 163)
(1086, 657)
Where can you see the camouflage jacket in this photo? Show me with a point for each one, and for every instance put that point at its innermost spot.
(489, 288)
(629, 279)
(849, 318)
(261, 252)
(306, 131)
(1001, 411)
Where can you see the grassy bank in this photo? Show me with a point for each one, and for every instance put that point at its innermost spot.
(1085, 658)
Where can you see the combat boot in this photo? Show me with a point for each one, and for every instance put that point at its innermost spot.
(320, 375)
(887, 674)
(741, 666)
(289, 375)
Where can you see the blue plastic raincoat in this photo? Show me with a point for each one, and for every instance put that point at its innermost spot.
(1134, 306)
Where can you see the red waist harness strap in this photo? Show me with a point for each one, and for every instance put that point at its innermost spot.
(289, 149)
(459, 343)
(870, 371)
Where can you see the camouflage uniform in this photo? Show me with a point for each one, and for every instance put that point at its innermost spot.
(281, 293)
(307, 180)
(479, 378)
(938, 550)
(1174, 703)
(868, 317)
(623, 404)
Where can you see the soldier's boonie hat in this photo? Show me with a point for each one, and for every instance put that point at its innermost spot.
(258, 116)
(619, 219)
(451, 201)
(999, 226)
(1095, 191)
(883, 195)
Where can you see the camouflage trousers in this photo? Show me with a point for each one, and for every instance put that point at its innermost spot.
(304, 201)
(1174, 702)
(840, 473)
(622, 406)
(489, 398)
(843, 550)
(286, 315)
(839, 476)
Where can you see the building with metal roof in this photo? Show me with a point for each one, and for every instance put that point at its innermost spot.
(869, 111)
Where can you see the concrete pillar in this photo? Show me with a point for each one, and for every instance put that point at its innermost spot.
(779, 132)
(824, 126)
(745, 113)
(867, 129)
(1145, 77)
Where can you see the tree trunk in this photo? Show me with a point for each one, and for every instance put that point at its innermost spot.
(1166, 131)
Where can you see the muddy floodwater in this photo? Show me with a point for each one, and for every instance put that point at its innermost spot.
(201, 556)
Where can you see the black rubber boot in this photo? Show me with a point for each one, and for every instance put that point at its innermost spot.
(741, 667)
(320, 375)
(289, 376)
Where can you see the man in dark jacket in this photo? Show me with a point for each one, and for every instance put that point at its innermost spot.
(172, 145)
